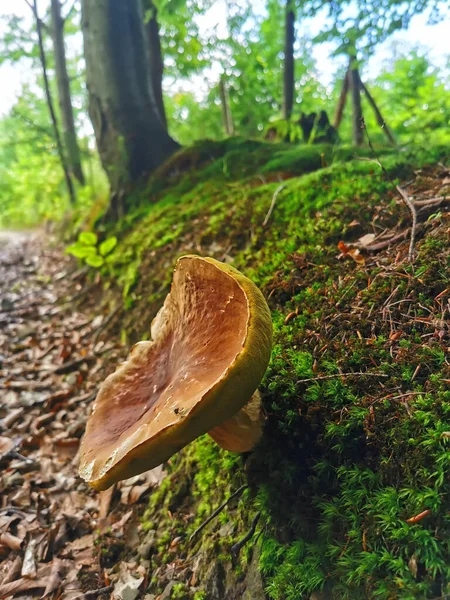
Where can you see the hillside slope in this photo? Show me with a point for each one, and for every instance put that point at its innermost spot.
(348, 492)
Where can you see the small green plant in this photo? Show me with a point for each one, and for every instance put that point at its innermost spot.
(87, 249)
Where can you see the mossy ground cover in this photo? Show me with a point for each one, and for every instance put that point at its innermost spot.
(352, 476)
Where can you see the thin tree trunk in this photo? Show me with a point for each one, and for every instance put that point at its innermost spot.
(357, 115)
(131, 138)
(65, 100)
(156, 60)
(289, 74)
(342, 101)
(226, 111)
(48, 95)
(381, 122)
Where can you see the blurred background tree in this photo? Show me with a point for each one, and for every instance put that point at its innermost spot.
(216, 69)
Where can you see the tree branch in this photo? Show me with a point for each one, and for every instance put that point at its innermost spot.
(70, 11)
(31, 7)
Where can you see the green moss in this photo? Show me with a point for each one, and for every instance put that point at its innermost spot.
(345, 461)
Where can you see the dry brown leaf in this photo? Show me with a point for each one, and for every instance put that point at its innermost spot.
(23, 584)
(55, 578)
(29, 561)
(11, 541)
(352, 252)
(87, 541)
(367, 239)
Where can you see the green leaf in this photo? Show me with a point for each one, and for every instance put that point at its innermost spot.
(80, 251)
(94, 261)
(107, 246)
(87, 238)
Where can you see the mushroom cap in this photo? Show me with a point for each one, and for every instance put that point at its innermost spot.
(211, 344)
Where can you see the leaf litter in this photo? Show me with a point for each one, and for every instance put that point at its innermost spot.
(56, 534)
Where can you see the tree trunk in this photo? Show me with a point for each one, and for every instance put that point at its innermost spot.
(65, 100)
(379, 117)
(289, 38)
(357, 115)
(342, 101)
(51, 109)
(131, 138)
(226, 111)
(156, 60)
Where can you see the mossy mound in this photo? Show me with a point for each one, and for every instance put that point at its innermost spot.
(351, 478)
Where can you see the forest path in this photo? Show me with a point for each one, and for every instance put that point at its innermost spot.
(57, 537)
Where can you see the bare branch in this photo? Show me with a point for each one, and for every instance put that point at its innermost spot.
(70, 11)
(217, 511)
(272, 204)
(337, 375)
(33, 8)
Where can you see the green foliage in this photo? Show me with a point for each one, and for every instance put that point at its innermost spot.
(86, 249)
(362, 24)
(419, 92)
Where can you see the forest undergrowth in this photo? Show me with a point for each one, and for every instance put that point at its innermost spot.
(350, 481)
(347, 495)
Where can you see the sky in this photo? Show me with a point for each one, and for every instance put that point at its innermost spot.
(434, 37)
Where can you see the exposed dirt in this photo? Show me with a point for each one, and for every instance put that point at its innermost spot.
(57, 538)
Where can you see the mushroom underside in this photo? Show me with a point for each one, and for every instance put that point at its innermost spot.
(162, 387)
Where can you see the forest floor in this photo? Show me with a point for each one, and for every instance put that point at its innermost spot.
(348, 494)
(52, 360)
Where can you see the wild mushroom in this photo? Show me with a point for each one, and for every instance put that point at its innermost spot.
(211, 344)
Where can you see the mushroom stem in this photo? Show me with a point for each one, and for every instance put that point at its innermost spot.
(242, 432)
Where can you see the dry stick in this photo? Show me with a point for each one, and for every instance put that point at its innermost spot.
(413, 212)
(385, 243)
(406, 199)
(48, 95)
(105, 324)
(236, 548)
(279, 189)
(381, 122)
(94, 593)
(336, 375)
(217, 511)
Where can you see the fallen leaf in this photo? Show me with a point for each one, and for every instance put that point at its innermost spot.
(367, 239)
(11, 541)
(352, 252)
(29, 562)
(127, 588)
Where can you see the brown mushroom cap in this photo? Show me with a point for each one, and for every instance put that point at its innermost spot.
(211, 346)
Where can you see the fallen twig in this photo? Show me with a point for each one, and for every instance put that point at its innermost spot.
(72, 365)
(93, 593)
(217, 511)
(336, 375)
(88, 397)
(236, 548)
(413, 212)
(26, 386)
(385, 243)
(104, 325)
(279, 189)
(403, 194)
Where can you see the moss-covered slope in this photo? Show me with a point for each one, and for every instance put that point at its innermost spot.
(347, 462)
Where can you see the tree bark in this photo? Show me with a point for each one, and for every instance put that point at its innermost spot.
(342, 101)
(289, 74)
(50, 105)
(379, 117)
(357, 115)
(156, 60)
(131, 138)
(226, 111)
(65, 100)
